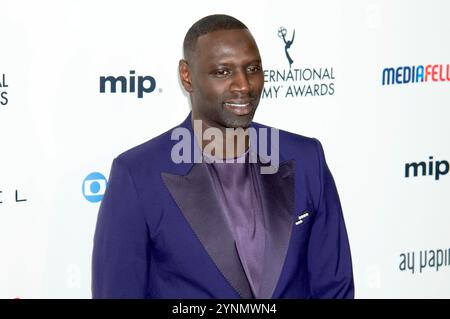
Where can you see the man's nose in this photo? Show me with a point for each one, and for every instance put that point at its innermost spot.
(240, 82)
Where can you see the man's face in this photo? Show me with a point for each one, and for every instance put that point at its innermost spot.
(224, 78)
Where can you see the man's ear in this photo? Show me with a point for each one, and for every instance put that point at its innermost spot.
(185, 75)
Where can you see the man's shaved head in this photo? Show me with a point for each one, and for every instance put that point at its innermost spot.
(206, 25)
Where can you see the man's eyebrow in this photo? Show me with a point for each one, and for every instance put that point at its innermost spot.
(255, 61)
(231, 63)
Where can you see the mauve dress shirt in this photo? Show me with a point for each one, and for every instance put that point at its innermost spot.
(239, 198)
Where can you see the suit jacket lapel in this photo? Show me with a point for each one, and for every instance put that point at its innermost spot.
(278, 203)
(195, 196)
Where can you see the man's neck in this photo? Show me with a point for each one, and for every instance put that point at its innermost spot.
(222, 143)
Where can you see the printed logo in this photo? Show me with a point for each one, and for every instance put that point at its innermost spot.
(296, 81)
(282, 32)
(139, 85)
(94, 186)
(9, 196)
(416, 74)
(3, 92)
(433, 168)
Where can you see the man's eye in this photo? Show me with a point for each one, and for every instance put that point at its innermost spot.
(253, 68)
(221, 73)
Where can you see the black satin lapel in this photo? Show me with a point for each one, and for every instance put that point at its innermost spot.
(278, 200)
(195, 196)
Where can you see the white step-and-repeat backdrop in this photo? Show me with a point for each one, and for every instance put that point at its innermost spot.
(370, 79)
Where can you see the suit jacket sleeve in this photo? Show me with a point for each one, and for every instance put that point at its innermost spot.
(329, 258)
(121, 241)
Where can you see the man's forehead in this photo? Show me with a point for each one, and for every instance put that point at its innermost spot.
(230, 35)
(222, 42)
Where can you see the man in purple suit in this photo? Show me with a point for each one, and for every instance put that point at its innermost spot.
(203, 210)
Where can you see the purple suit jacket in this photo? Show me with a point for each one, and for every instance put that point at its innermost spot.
(161, 233)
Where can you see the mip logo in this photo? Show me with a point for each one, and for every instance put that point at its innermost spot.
(94, 186)
(141, 84)
(282, 32)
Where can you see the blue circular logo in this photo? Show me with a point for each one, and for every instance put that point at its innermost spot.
(94, 187)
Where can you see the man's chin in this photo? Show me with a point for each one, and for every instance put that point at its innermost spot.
(241, 122)
(238, 121)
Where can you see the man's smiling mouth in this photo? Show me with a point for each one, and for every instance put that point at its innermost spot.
(238, 108)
